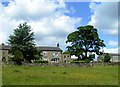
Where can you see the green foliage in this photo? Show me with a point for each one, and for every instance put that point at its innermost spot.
(10, 59)
(91, 57)
(22, 40)
(87, 60)
(107, 57)
(84, 40)
(38, 55)
(41, 61)
(18, 57)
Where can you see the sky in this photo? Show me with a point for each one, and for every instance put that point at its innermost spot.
(53, 20)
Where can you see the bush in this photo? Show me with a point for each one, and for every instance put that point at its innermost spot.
(41, 61)
(87, 60)
(18, 57)
(91, 57)
(10, 59)
(107, 57)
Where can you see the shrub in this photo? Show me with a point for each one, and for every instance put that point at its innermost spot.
(91, 57)
(87, 60)
(107, 57)
(10, 59)
(18, 57)
(38, 54)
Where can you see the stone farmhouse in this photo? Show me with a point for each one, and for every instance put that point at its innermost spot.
(54, 55)
(50, 54)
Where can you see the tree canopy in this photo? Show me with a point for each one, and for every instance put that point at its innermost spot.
(23, 40)
(83, 41)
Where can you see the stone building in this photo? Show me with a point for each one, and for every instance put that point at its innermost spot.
(50, 54)
(66, 57)
(4, 52)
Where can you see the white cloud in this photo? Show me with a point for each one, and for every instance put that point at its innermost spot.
(32, 9)
(47, 19)
(111, 50)
(105, 17)
(113, 43)
(2, 36)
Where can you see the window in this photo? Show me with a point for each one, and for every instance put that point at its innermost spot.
(56, 60)
(55, 54)
(45, 58)
(9, 51)
(3, 59)
(64, 56)
(45, 53)
(3, 53)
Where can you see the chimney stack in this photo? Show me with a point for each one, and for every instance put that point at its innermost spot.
(57, 44)
(2, 44)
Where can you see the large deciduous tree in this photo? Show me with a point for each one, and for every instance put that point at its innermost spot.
(83, 41)
(23, 40)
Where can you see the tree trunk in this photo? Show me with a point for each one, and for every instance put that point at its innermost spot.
(78, 58)
(85, 54)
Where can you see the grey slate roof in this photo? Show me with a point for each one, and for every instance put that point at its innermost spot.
(47, 48)
(4, 47)
(42, 48)
(115, 54)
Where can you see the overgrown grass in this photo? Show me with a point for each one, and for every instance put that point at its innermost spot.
(55, 75)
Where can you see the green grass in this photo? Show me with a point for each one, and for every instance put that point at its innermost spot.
(55, 75)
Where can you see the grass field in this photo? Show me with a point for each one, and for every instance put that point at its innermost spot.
(54, 75)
